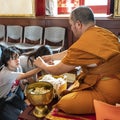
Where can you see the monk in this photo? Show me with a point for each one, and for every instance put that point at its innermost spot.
(97, 51)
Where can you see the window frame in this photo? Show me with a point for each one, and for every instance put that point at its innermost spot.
(97, 9)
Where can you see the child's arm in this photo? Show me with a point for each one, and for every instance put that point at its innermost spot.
(28, 74)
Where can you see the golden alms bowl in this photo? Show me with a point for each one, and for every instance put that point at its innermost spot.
(40, 93)
(59, 82)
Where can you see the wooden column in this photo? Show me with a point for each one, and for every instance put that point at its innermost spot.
(40, 7)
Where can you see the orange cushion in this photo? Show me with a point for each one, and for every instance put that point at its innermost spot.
(105, 111)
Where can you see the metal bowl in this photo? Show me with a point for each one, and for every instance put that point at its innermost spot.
(62, 86)
(41, 98)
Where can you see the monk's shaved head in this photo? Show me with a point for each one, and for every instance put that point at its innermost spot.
(83, 14)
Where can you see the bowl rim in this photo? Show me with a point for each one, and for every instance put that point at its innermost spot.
(39, 82)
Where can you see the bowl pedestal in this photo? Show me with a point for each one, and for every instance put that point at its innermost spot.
(40, 111)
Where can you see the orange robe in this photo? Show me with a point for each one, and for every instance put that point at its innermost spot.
(102, 82)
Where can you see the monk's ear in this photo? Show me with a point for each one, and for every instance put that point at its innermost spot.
(78, 24)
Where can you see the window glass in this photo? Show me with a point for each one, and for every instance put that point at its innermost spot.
(65, 6)
(98, 6)
(95, 2)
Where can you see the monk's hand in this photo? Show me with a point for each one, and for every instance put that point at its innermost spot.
(38, 62)
(47, 58)
(65, 92)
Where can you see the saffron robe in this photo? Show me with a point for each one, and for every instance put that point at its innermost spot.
(97, 46)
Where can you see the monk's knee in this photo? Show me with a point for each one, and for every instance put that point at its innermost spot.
(73, 104)
(64, 104)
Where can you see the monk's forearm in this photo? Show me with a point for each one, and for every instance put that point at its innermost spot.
(56, 69)
(58, 56)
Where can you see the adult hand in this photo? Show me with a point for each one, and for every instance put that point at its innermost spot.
(47, 58)
(38, 62)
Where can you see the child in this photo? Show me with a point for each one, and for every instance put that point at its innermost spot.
(26, 60)
(10, 76)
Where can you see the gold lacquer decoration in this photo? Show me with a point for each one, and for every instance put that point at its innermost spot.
(116, 8)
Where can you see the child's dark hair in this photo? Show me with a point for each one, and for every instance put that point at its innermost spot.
(42, 50)
(7, 54)
(1, 50)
